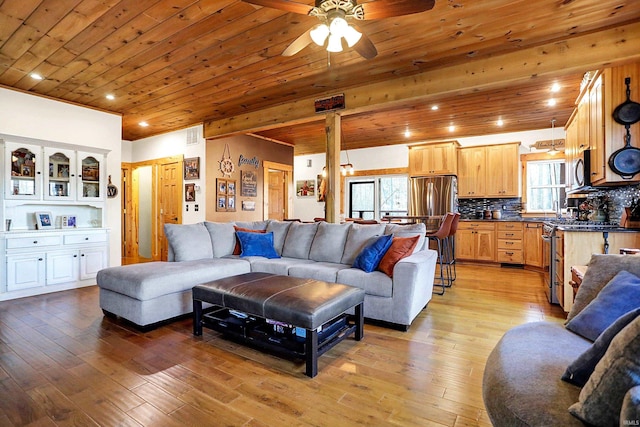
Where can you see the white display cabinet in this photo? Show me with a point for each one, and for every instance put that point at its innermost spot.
(69, 183)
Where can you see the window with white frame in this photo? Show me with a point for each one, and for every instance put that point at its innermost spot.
(374, 197)
(545, 185)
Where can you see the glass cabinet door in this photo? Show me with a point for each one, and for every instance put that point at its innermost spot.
(59, 182)
(24, 172)
(90, 177)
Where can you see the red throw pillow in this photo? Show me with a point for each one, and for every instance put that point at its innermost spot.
(237, 250)
(401, 247)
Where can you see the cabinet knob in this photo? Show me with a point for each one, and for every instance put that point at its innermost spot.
(38, 173)
(75, 256)
(82, 255)
(86, 238)
(35, 242)
(39, 259)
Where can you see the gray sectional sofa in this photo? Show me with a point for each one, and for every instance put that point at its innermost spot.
(149, 293)
(522, 383)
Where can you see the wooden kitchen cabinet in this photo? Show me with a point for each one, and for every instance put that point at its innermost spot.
(472, 166)
(502, 170)
(433, 159)
(534, 255)
(576, 247)
(475, 241)
(592, 126)
(489, 171)
(510, 243)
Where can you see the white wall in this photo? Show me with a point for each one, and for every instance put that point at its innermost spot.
(395, 156)
(31, 116)
(175, 144)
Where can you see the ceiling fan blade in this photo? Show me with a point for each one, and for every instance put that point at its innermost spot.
(385, 9)
(365, 46)
(298, 44)
(286, 5)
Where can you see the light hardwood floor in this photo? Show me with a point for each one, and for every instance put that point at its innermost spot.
(62, 363)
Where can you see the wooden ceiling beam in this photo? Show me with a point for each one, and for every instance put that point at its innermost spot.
(578, 54)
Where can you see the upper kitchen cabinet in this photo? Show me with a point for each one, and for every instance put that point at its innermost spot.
(472, 167)
(592, 126)
(502, 162)
(433, 159)
(488, 171)
(613, 90)
(23, 171)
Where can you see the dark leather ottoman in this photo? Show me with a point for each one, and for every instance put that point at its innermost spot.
(305, 303)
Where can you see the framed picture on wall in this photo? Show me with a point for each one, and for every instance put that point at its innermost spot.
(192, 168)
(248, 184)
(231, 188)
(231, 203)
(306, 188)
(189, 192)
(221, 185)
(221, 203)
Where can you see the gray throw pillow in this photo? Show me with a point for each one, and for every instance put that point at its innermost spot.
(619, 296)
(328, 243)
(601, 399)
(189, 242)
(223, 237)
(602, 268)
(579, 371)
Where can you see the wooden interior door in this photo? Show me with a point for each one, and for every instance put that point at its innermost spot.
(170, 201)
(277, 194)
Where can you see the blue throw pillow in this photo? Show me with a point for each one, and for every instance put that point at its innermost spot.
(579, 371)
(619, 296)
(257, 244)
(369, 258)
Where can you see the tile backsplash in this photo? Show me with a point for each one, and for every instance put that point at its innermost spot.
(611, 200)
(510, 208)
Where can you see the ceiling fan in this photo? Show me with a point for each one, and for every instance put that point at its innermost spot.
(335, 26)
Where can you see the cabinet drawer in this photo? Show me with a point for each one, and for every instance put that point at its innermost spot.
(511, 235)
(510, 256)
(510, 244)
(74, 239)
(32, 242)
(476, 226)
(509, 226)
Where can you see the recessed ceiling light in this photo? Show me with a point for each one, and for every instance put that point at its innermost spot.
(452, 128)
(555, 87)
(434, 107)
(500, 122)
(407, 133)
(552, 102)
(143, 124)
(110, 97)
(36, 76)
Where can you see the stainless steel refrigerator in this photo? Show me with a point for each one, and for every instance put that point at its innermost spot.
(432, 197)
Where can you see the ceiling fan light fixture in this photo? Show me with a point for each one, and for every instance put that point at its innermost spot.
(319, 34)
(352, 36)
(338, 25)
(335, 43)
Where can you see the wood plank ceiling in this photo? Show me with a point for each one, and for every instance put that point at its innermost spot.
(181, 62)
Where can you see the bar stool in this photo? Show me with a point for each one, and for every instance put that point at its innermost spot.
(451, 246)
(440, 237)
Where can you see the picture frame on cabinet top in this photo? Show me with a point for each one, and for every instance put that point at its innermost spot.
(44, 220)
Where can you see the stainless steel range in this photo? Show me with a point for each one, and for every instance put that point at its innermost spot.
(549, 238)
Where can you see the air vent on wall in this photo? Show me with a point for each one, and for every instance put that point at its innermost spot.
(193, 136)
